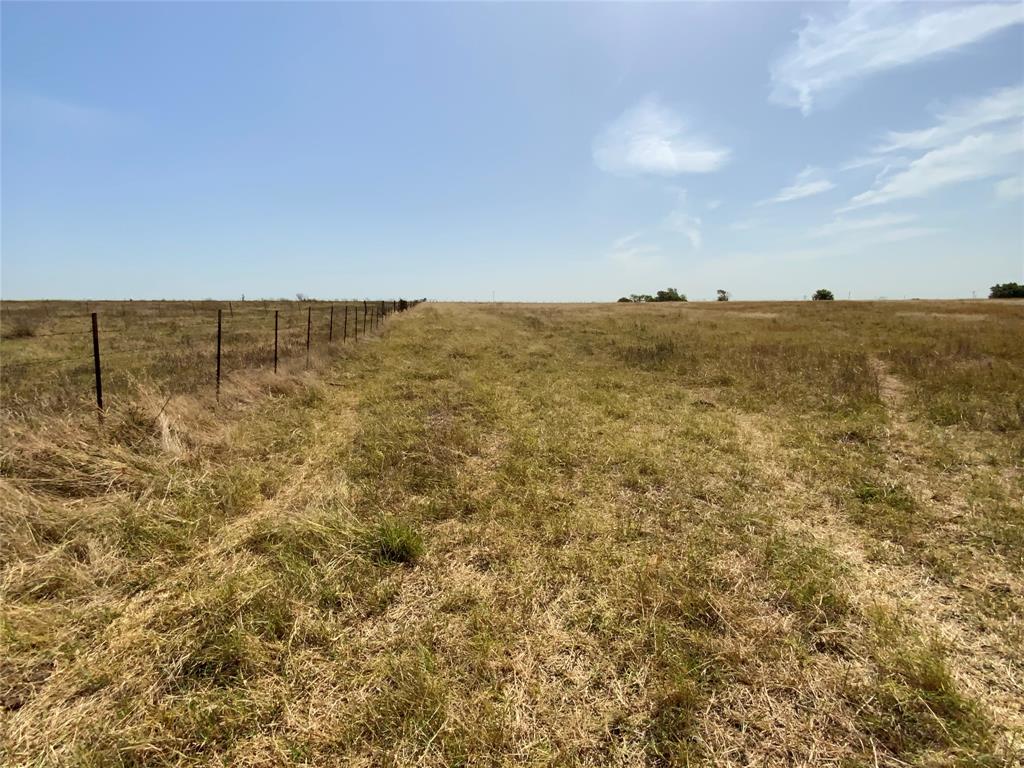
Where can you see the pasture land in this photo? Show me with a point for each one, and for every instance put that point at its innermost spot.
(169, 344)
(695, 534)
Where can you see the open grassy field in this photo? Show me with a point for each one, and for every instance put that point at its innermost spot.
(499, 535)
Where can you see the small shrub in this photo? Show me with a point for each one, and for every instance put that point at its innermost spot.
(21, 328)
(823, 294)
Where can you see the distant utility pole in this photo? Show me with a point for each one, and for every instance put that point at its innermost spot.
(492, 297)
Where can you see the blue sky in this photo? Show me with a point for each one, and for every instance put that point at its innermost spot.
(536, 151)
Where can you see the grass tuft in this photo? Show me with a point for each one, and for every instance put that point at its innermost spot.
(393, 541)
(891, 495)
(811, 582)
(914, 705)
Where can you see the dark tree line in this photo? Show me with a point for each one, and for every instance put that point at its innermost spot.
(669, 294)
(1007, 291)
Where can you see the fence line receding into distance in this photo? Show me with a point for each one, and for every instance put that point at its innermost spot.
(248, 336)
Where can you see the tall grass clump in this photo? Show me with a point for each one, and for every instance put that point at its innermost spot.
(393, 541)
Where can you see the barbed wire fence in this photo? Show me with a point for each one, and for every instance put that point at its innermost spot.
(204, 345)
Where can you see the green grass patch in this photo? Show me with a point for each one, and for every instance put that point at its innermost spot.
(393, 542)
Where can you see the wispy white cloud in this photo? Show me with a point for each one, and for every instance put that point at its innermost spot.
(743, 225)
(626, 240)
(682, 221)
(998, 108)
(969, 140)
(45, 112)
(650, 138)
(713, 204)
(810, 181)
(841, 226)
(1011, 188)
(864, 38)
(883, 228)
(888, 162)
(968, 159)
(631, 252)
(964, 117)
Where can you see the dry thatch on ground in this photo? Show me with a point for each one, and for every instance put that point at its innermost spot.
(557, 535)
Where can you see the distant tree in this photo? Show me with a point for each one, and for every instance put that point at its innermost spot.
(723, 295)
(1007, 291)
(640, 298)
(670, 294)
(301, 296)
(822, 294)
(625, 300)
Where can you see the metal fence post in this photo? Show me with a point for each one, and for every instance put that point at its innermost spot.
(219, 311)
(275, 341)
(330, 332)
(345, 331)
(309, 325)
(96, 364)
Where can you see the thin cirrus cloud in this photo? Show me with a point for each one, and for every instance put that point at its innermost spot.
(809, 182)
(744, 225)
(41, 113)
(883, 228)
(682, 221)
(841, 226)
(974, 139)
(969, 159)
(999, 106)
(863, 39)
(631, 252)
(1010, 188)
(650, 138)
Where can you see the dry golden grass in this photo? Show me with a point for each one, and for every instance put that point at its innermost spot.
(750, 534)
